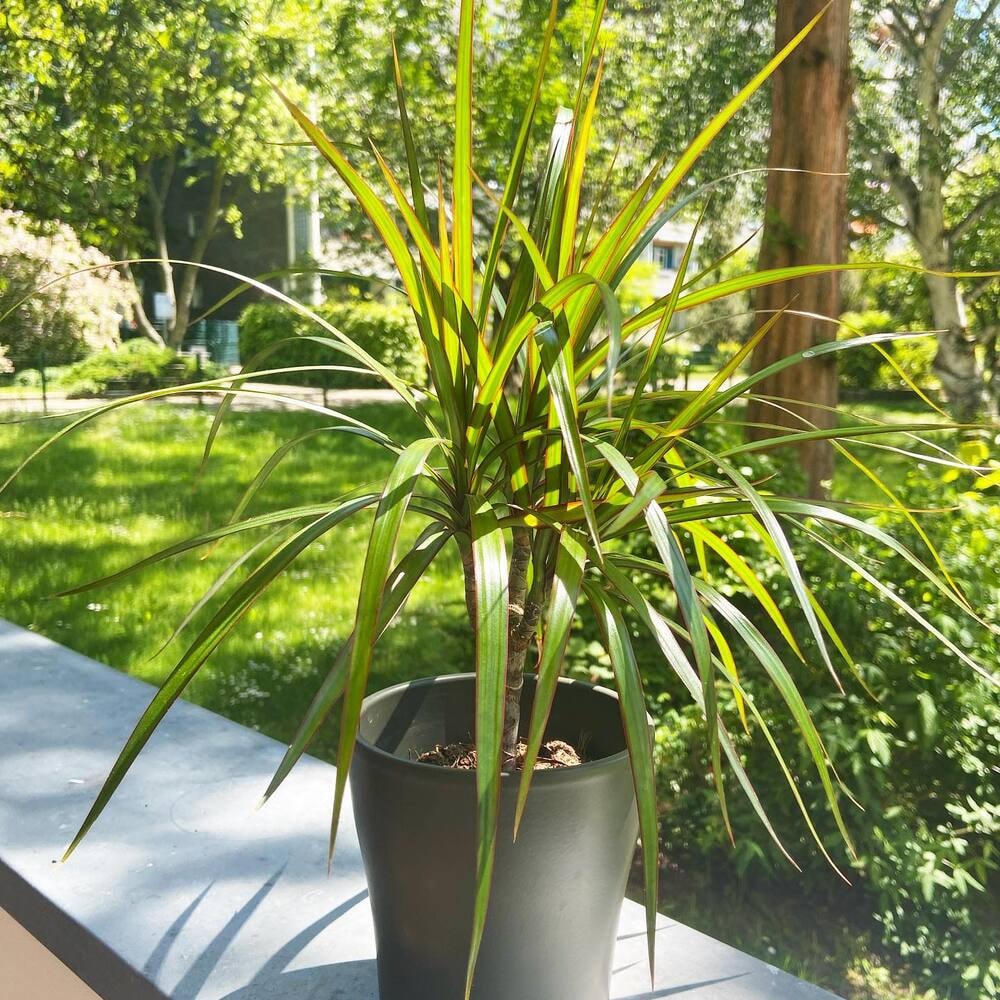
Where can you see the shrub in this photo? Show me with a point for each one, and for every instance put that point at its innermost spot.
(385, 329)
(726, 350)
(920, 752)
(859, 368)
(667, 367)
(138, 362)
(66, 320)
(900, 294)
(916, 359)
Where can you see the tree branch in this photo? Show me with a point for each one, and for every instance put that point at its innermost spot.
(138, 309)
(984, 204)
(978, 290)
(973, 30)
(884, 220)
(902, 30)
(189, 280)
(902, 185)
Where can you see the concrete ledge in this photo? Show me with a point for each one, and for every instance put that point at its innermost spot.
(183, 891)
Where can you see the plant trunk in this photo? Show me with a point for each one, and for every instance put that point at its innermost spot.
(522, 617)
(805, 223)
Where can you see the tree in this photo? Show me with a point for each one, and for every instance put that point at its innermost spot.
(64, 320)
(805, 223)
(978, 250)
(664, 78)
(115, 108)
(927, 112)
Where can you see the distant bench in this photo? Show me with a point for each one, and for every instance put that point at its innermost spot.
(173, 375)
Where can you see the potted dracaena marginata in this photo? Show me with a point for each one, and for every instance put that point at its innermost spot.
(536, 464)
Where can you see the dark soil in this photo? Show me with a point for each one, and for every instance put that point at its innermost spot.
(462, 756)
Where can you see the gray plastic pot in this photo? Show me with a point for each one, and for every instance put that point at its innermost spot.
(557, 891)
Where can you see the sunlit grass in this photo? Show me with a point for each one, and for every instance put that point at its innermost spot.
(892, 467)
(126, 486)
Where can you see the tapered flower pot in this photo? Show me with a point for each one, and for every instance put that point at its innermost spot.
(557, 891)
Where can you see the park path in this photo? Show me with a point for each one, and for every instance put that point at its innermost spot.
(30, 402)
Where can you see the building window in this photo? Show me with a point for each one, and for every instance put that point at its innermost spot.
(665, 257)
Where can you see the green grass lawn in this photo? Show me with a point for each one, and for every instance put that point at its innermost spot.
(126, 486)
(890, 466)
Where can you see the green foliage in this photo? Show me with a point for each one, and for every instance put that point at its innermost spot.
(144, 126)
(920, 752)
(666, 77)
(147, 86)
(726, 350)
(64, 320)
(384, 329)
(916, 360)
(912, 361)
(667, 367)
(637, 289)
(900, 294)
(924, 82)
(139, 363)
(859, 369)
(529, 447)
(727, 320)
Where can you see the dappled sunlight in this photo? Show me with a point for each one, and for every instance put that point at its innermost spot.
(114, 505)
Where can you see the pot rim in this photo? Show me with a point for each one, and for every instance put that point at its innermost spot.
(544, 775)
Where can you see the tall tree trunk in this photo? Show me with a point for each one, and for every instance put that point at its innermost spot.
(805, 223)
(955, 362)
(156, 196)
(138, 309)
(189, 280)
(922, 198)
(923, 204)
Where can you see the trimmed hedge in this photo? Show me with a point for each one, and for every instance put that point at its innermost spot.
(386, 330)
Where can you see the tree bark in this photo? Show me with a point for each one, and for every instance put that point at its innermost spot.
(156, 195)
(922, 199)
(805, 223)
(189, 280)
(138, 309)
(522, 616)
(955, 362)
